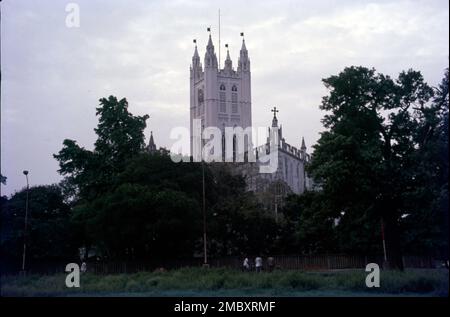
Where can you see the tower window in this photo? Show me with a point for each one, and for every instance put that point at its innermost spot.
(234, 88)
(201, 106)
(222, 100)
(200, 96)
(234, 100)
(222, 87)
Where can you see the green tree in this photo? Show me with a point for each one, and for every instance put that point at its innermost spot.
(308, 226)
(239, 225)
(368, 161)
(151, 212)
(3, 179)
(49, 234)
(426, 226)
(90, 174)
(120, 137)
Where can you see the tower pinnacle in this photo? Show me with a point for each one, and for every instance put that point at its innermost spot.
(210, 56)
(244, 62)
(274, 120)
(151, 148)
(228, 62)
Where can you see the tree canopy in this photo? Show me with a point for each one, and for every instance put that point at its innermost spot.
(379, 157)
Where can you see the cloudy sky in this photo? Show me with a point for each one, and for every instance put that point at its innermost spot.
(53, 76)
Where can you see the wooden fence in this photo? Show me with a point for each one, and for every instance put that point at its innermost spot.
(287, 262)
(305, 263)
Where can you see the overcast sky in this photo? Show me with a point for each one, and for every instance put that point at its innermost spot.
(53, 76)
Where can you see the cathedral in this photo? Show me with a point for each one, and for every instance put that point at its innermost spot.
(221, 97)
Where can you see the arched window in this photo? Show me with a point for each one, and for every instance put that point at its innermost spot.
(201, 106)
(200, 96)
(234, 99)
(222, 99)
(222, 87)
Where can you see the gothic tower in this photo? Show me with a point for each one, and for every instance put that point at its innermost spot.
(220, 97)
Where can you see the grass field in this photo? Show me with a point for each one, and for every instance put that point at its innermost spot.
(226, 282)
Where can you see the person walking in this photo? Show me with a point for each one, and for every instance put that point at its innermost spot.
(271, 263)
(246, 265)
(258, 264)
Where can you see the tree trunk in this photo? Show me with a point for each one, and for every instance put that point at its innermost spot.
(392, 238)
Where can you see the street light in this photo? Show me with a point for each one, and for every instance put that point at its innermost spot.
(205, 256)
(26, 222)
(205, 259)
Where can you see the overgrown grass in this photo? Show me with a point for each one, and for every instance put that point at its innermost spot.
(420, 282)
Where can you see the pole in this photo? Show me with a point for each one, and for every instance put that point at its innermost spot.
(205, 255)
(205, 260)
(384, 241)
(220, 61)
(276, 210)
(25, 228)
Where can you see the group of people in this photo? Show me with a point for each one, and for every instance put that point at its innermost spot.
(246, 266)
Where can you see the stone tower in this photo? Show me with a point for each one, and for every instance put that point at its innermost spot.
(220, 97)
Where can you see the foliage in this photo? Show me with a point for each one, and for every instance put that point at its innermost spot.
(135, 205)
(308, 228)
(119, 138)
(49, 234)
(379, 157)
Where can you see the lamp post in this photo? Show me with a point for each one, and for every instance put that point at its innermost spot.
(205, 256)
(26, 223)
(385, 264)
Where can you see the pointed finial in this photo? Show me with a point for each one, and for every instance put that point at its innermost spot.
(243, 48)
(303, 144)
(210, 44)
(195, 48)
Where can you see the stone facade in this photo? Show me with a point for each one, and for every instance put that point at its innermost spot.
(222, 98)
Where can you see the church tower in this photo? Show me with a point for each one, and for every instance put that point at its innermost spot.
(220, 97)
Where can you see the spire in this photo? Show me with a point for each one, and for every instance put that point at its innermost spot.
(303, 150)
(303, 147)
(210, 43)
(210, 56)
(151, 148)
(196, 67)
(244, 62)
(196, 52)
(195, 57)
(228, 62)
(243, 48)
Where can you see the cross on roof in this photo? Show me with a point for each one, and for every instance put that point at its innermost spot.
(274, 110)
